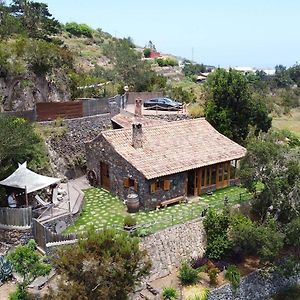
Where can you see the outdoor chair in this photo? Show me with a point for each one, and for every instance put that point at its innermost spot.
(41, 201)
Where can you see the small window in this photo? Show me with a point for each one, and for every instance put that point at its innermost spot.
(166, 185)
(153, 187)
(129, 182)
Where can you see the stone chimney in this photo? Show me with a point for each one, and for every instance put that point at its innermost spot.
(138, 107)
(137, 135)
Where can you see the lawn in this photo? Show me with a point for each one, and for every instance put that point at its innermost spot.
(102, 209)
(290, 122)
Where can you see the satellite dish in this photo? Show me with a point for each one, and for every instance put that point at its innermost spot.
(60, 226)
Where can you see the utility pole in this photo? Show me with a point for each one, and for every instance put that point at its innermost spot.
(192, 54)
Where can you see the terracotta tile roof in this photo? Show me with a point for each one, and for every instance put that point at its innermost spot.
(174, 147)
(126, 120)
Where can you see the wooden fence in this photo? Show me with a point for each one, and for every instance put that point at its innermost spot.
(16, 217)
(44, 236)
(48, 111)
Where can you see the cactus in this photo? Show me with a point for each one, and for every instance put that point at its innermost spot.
(5, 269)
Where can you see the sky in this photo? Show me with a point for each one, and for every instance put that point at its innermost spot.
(254, 33)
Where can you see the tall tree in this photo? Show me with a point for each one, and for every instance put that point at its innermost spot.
(20, 143)
(35, 18)
(272, 161)
(230, 107)
(130, 69)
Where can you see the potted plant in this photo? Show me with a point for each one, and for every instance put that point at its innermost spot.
(129, 223)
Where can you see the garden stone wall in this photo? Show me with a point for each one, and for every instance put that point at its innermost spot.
(168, 247)
(254, 287)
(13, 237)
(67, 150)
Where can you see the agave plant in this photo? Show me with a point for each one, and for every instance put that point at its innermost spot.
(5, 269)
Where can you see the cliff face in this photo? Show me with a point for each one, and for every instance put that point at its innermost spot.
(21, 93)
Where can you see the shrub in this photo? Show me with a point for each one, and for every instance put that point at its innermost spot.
(147, 52)
(233, 275)
(163, 62)
(5, 269)
(216, 225)
(79, 29)
(218, 247)
(264, 240)
(169, 293)
(20, 294)
(129, 221)
(293, 233)
(187, 274)
(213, 275)
(196, 293)
(196, 110)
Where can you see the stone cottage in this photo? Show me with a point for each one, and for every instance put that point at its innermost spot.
(162, 162)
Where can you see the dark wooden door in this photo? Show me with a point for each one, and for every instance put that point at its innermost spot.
(104, 175)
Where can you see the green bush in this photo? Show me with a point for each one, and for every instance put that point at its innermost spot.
(20, 294)
(129, 221)
(293, 233)
(164, 62)
(232, 274)
(79, 29)
(169, 293)
(265, 240)
(216, 225)
(218, 246)
(187, 274)
(147, 52)
(196, 110)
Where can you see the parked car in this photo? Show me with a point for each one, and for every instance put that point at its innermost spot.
(162, 102)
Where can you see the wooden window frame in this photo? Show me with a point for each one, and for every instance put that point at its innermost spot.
(129, 182)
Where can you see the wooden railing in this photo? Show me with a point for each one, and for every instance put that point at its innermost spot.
(44, 237)
(16, 217)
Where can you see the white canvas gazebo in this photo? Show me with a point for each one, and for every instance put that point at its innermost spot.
(28, 180)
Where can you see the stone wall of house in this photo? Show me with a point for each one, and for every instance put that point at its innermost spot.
(254, 287)
(99, 150)
(177, 188)
(168, 247)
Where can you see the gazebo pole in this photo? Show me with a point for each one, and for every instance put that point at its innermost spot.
(26, 196)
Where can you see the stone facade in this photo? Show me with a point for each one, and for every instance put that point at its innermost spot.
(254, 287)
(101, 151)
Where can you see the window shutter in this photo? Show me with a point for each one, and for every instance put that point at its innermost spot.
(126, 182)
(153, 187)
(167, 185)
(135, 185)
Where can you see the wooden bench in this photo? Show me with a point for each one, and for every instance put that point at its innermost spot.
(172, 201)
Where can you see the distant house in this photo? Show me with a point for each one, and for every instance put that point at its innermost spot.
(164, 161)
(154, 54)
